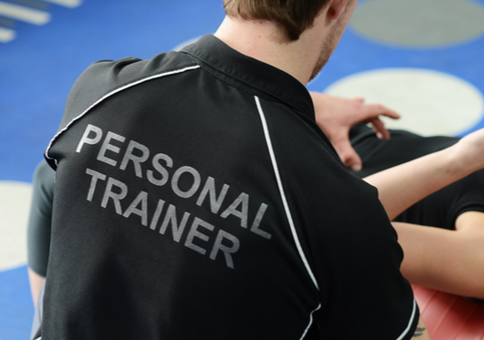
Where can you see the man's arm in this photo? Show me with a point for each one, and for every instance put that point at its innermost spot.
(39, 227)
(402, 186)
(421, 332)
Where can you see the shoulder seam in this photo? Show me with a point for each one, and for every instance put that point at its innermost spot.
(117, 90)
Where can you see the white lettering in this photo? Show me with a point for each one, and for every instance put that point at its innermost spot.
(185, 182)
(195, 233)
(227, 251)
(143, 212)
(209, 188)
(157, 214)
(258, 218)
(98, 133)
(200, 231)
(163, 172)
(137, 160)
(176, 178)
(116, 197)
(106, 146)
(243, 201)
(176, 230)
(95, 176)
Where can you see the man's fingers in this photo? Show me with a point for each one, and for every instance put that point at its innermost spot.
(353, 161)
(380, 129)
(375, 110)
(348, 155)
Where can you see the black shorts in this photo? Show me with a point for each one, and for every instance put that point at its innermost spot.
(440, 209)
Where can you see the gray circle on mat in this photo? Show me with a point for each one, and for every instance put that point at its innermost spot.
(419, 23)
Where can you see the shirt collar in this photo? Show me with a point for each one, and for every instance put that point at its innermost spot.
(253, 72)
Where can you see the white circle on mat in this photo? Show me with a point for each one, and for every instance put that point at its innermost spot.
(15, 200)
(419, 23)
(429, 102)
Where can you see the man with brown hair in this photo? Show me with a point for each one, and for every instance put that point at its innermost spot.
(197, 198)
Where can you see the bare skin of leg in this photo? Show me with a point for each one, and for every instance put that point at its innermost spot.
(36, 283)
(446, 260)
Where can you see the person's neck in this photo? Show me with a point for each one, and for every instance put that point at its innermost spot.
(258, 39)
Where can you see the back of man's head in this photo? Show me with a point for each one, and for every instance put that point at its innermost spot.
(294, 16)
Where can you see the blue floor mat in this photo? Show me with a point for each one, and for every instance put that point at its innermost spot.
(38, 67)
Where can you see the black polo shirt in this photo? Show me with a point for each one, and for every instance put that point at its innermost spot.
(196, 198)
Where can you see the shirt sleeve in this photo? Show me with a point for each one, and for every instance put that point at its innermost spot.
(40, 219)
(352, 247)
(360, 266)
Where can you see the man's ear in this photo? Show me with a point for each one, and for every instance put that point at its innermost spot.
(336, 8)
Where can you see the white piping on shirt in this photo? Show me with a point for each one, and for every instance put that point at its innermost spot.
(310, 322)
(161, 75)
(282, 193)
(405, 332)
(286, 207)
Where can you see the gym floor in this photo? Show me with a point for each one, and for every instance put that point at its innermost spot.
(422, 58)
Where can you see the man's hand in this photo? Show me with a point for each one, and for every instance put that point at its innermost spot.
(336, 115)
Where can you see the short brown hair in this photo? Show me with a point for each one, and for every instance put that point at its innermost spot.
(295, 16)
